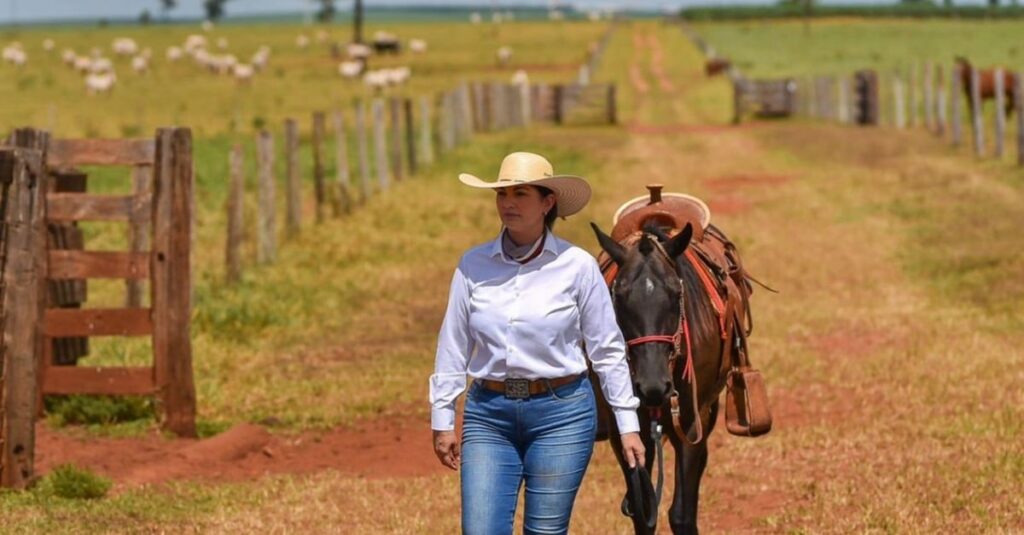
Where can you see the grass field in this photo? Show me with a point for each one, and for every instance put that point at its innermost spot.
(891, 352)
(841, 46)
(296, 82)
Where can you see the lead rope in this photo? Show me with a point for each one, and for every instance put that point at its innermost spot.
(656, 434)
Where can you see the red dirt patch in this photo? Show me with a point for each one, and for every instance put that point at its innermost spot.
(658, 129)
(733, 182)
(728, 205)
(850, 340)
(374, 449)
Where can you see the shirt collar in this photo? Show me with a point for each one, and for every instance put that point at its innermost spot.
(549, 244)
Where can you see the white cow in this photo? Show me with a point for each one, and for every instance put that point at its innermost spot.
(243, 72)
(124, 46)
(96, 83)
(504, 55)
(83, 64)
(140, 64)
(350, 69)
(358, 51)
(418, 46)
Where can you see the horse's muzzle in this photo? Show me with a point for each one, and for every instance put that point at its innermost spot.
(653, 395)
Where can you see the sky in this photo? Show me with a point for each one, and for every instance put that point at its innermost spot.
(27, 10)
(13, 11)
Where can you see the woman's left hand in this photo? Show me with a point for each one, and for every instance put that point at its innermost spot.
(632, 449)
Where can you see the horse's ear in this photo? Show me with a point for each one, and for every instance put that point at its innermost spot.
(616, 251)
(677, 245)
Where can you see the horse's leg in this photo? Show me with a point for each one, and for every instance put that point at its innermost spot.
(690, 464)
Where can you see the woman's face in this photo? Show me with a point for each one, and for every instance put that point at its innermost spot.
(522, 208)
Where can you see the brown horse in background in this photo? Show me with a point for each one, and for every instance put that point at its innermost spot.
(987, 84)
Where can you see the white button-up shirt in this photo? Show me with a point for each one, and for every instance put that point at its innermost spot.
(532, 320)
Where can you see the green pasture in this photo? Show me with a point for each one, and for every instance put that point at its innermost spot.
(843, 45)
(891, 351)
(48, 94)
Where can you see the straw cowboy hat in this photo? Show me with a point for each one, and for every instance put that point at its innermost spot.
(526, 168)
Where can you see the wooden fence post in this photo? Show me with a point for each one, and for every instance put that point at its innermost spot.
(142, 186)
(536, 110)
(395, 114)
(171, 270)
(293, 217)
(898, 107)
(364, 151)
(810, 99)
(1000, 88)
(977, 121)
(343, 182)
(380, 146)
(525, 104)
(583, 75)
(955, 106)
(463, 113)
(426, 134)
(266, 229)
(843, 107)
(447, 121)
(559, 90)
(479, 115)
(236, 220)
(320, 187)
(1018, 101)
(940, 106)
(612, 111)
(494, 105)
(928, 80)
(515, 110)
(410, 136)
(912, 83)
(24, 279)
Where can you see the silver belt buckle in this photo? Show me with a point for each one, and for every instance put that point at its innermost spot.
(517, 388)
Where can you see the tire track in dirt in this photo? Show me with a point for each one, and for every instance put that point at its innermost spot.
(657, 55)
(636, 75)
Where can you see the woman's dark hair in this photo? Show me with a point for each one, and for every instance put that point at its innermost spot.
(549, 218)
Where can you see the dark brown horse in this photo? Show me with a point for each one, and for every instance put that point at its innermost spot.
(987, 84)
(654, 285)
(715, 66)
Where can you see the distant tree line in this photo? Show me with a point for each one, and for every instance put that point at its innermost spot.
(811, 8)
(214, 9)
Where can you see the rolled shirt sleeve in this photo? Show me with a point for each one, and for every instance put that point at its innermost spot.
(607, 349)
(454, 347)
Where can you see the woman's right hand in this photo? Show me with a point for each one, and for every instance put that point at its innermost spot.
(446, 447)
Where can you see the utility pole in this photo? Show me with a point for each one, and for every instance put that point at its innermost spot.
(357, 22)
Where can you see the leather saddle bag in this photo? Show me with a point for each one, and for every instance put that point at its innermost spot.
(746, 403)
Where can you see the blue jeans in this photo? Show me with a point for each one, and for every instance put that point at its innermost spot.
(545, 440)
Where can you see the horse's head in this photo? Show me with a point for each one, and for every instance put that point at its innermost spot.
(962, 61)
(647, 297)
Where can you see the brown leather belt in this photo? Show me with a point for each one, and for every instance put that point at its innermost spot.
(527, 387)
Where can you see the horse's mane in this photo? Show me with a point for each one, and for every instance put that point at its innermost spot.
(699, 309)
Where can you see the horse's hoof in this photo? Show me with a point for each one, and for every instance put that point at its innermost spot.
(625, 507)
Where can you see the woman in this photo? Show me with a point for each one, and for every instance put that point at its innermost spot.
(521, 310)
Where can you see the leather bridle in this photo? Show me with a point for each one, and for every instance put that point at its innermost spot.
(678, 340)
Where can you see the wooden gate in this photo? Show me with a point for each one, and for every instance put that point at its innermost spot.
(766, 98)
(166, 266)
